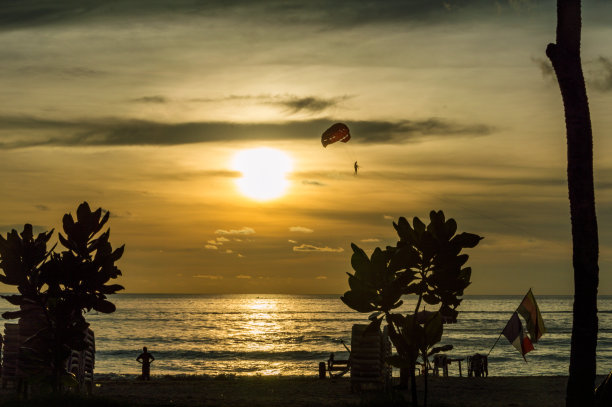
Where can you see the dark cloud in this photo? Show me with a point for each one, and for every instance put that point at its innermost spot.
(311, 182)
(601, 75)
(81, 71)
(333, 15)
(474, 178)
(19, 228)
(309, 104)
(113, 214)
(27, 13)
(598, 72)
(119, 132)
(41, 207)
(151, 99)
(545, 67)
(292, 103)
(70, 72)
(412, 130)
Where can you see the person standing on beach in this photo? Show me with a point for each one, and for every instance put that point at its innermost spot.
(145, 358)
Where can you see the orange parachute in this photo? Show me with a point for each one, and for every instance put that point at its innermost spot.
(337, 132)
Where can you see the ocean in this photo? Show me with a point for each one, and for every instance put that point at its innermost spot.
(291, 334)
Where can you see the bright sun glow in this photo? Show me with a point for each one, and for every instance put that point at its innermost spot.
(264, 172)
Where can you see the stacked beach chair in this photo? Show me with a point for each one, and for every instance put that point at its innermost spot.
(369, 352)
(9, 354)
(88, 360)
(29, 325)
(81, 363)
(18, 365)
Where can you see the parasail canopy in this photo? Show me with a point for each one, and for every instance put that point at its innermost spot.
(337, 132)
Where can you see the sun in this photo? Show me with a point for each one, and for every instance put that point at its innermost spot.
(264, 172)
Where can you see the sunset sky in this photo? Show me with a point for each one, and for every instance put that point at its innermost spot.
(140, 107)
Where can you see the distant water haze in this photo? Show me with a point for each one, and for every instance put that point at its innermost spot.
(290, 335)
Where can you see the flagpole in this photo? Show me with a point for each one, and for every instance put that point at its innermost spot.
(500, 334)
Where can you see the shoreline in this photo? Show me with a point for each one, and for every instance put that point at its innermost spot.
(302, 391)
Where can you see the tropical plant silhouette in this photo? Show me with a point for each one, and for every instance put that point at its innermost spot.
(56, 289)
(426, 262)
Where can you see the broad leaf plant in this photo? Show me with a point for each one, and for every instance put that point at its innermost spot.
(426, 262)
(56, 289)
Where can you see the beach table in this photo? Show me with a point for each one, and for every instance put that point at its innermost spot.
(458, 360)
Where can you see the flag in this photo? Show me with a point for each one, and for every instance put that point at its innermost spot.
(533, 318)
(515, 335)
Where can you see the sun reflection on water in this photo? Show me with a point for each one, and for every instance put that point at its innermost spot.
(261, 327)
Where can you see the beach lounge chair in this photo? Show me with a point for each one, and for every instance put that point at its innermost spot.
(369, 352)
(478, 365)
(440, 362)
(338, 367)
(422, 368)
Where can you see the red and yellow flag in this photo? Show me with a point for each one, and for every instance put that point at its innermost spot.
(533, 318)
(515, 335)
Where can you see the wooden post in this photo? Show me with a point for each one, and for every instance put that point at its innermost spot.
(321, 370)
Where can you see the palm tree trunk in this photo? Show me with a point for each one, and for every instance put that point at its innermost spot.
(565, 58)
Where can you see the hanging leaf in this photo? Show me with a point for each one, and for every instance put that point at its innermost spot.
(373, 327)
(444, 348)
(399, 362)
(104, 306)
(374, 315)
(431, 299)
(466, 240)
(360, 262)
(14, 299)
(419, 226)
(433, 329)
(357, 302)
(12, 314)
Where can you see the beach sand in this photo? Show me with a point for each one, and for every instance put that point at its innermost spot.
(311, 391)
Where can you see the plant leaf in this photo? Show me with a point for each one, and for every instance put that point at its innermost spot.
(433, 330)
(466, 240)
(444, 348)
(398, 361)
(104, 306)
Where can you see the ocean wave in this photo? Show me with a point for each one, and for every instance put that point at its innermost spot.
(216, 355)
(194, 334)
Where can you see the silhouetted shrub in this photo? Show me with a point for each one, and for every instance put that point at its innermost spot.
(56, 289)
(426, 262)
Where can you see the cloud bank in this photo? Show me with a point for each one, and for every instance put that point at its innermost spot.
(311, 248)
(300, 229)
(332, 15)
(243, 231)
(28, 131)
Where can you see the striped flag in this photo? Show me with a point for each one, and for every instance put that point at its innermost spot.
(533, 318)
(515, 335)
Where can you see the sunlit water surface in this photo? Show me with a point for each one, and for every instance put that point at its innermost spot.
(290, 335)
